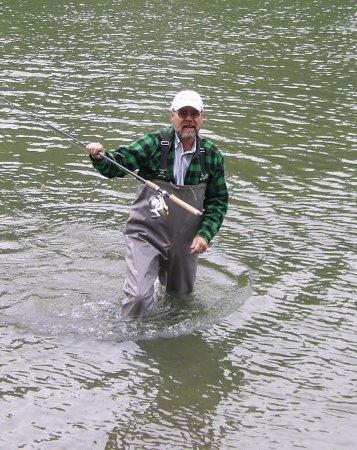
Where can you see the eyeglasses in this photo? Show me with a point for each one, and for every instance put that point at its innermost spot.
(184, 114)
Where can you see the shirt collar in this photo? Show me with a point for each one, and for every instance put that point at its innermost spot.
(178, 144)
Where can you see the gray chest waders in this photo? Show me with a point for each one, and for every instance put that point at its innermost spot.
(160, 246)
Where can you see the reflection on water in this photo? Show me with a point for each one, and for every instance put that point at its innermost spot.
(221, 368)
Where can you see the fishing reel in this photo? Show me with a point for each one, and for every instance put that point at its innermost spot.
(158, 206)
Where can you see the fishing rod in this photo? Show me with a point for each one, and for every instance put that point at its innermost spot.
(157, 203)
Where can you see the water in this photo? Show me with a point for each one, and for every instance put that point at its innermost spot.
(263, 353)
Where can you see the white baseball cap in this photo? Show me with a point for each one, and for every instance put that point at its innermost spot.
(187, 98)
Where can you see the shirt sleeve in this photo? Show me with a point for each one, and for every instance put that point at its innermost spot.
(132, 157)
(216, 199)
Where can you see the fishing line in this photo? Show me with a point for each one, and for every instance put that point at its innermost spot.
(161, 193)
(47, 124)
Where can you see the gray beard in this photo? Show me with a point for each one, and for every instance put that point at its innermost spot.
(185, 134)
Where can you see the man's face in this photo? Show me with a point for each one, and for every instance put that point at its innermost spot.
(187, 122)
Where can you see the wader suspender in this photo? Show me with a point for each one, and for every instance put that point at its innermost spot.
(165, 147)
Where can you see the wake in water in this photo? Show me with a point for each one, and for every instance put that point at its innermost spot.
(218, 293)
(58, 283)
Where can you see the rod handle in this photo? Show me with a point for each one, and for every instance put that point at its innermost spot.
(185, 205)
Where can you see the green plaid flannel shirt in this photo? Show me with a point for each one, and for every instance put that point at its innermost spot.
(144, 155)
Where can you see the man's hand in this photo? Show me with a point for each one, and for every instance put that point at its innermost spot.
(95, 149)
(199, 245)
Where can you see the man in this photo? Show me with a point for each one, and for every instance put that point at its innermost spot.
(192, 168)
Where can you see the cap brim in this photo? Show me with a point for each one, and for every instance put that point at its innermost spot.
(180, 105)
